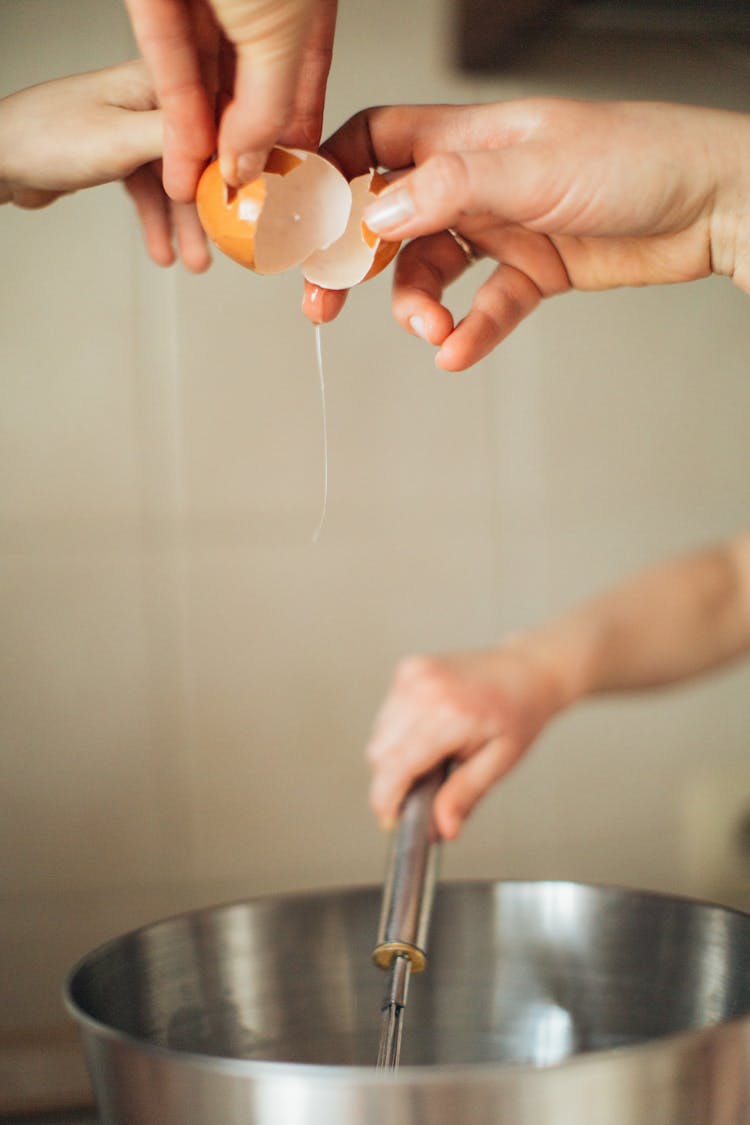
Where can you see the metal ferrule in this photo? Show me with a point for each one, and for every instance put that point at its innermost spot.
(410, 880)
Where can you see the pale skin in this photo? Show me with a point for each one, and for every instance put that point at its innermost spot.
(483, 710)
(561, 194)
(258, 67)
(90, 129)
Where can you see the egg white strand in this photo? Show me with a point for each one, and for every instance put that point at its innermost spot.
(324, 506)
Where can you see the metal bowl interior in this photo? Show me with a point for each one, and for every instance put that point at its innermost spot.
(518, 973)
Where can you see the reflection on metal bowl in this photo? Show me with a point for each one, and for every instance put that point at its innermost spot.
(543, 1004)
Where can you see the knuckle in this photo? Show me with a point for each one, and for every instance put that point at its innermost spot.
(545, 111)
(444, 179)
(541, 115)
(423, 680)
(454, 714)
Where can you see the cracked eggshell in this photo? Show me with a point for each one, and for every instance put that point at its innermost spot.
(300, 203)
(300, 212)
(359, 253)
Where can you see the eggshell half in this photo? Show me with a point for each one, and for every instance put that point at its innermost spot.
(300, 212)
(301, 202)
(359, 253)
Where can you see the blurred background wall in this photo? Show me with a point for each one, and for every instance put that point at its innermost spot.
(188, 681)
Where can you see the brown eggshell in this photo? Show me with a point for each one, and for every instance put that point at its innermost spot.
(360, 253)
(301, 211)
(230, 229)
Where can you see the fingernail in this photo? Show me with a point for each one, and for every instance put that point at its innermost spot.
(227, 169)
(389, 211)
(249, 167)
(312, 306)
(418, 326)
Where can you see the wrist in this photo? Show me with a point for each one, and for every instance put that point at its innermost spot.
(562, 655)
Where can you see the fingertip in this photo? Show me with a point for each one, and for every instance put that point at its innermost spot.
(432, 326)
(180, 170)
(321, 306)
(194, 251)
(424, 269)
(382, 803)
(180, 179)
(228, 170)
(312, 303)
(448, 824)
(197, 263)
(159, 247)
(162, 257)
(445, 362)
(448, 818)
(192, 243)
(332, 301)
(468, 343)
(452, 360)
(243, 168)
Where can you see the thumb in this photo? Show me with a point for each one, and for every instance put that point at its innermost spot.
(269, 41)
(511, 184)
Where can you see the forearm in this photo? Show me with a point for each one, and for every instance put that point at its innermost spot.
(666, 625)
(483, 710)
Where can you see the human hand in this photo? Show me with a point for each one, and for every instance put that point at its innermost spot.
(562, 194)
(271, 57)
(92, 129)
(481, 710)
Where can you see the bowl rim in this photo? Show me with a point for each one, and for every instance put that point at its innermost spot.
(689, 1041)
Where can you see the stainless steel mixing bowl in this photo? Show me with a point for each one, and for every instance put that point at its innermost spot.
(543, 1004)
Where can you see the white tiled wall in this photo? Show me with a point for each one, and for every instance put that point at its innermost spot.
(187, 681)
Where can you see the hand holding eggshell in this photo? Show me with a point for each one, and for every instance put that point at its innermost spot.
(259, 69)
(88, 129)
(562, 194)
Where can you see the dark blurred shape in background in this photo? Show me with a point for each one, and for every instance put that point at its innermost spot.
(494, 35)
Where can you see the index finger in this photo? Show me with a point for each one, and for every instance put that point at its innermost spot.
(164, 32)
(306, 123)
(400, 136)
